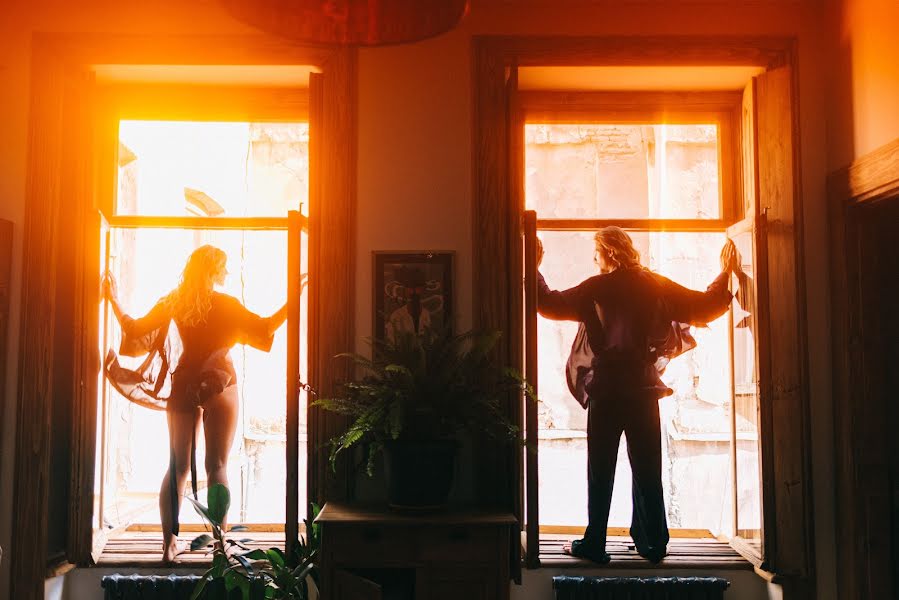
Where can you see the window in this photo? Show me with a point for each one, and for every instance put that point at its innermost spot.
(219, 176)
(670, 183)
(759, 184)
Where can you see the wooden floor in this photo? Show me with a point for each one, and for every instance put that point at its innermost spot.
(683, 553)
(144, 549)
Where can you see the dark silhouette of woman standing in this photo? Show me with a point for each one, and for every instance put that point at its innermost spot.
(628, 313)
(203, 384)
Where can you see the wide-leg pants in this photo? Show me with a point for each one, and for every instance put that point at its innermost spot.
(637, 416)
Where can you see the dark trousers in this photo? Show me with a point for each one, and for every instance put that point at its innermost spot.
(638, 418)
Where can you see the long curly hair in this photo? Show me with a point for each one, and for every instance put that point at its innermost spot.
(617, 246)
(191, 301)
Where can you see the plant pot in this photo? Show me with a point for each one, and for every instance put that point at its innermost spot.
(419, 473)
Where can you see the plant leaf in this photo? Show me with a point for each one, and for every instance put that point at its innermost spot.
(275, 556)
(198, 589)
(201, 541)
(219, 499)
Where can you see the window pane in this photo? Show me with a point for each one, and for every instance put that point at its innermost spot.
(746, 395)
(179, 168)
(597, 171)
(696, 463)
(136, 437)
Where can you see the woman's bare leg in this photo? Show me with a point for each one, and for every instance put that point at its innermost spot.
(182, 426)
(219, 426)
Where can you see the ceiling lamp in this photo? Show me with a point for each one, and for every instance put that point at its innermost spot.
(352, 22)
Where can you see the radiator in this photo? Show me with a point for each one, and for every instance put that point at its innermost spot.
(639, 588)
(148, 587)
(169, 587)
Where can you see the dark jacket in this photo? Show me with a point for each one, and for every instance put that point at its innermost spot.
(633, 322)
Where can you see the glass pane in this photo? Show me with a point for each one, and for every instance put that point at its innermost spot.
(696, 464)
(137, 438)
(181, 168)
(746, 394)
(597, 171)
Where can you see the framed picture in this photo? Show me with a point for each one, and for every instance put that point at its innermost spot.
(413, 291)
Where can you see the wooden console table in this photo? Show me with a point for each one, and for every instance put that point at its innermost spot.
(371, 553)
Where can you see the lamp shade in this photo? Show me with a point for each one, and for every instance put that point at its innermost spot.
(351, 22)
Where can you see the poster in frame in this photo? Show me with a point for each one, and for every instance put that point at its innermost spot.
(413, 291)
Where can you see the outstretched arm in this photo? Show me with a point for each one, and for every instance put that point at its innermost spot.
(559, 305)
(134, 328)
(695, 307)
(277, 319)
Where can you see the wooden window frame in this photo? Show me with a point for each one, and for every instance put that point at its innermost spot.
(721, 109)
(498, 205)
(117, 102)
(61, 236)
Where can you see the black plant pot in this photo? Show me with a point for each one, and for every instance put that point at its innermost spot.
(419, 473)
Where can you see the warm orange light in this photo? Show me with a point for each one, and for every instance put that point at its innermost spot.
(356, 22)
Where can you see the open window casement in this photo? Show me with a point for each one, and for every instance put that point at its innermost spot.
(773, 537)
(747, 338)
(297, 368)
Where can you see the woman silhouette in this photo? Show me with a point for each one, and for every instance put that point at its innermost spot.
(203, 383)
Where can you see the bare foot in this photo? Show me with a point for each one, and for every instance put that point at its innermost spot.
(172, 550)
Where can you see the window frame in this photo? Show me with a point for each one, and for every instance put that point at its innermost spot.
(721, 109)
(197, 103)
(497, 248)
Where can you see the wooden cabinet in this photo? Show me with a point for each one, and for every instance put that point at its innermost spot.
(369, 553)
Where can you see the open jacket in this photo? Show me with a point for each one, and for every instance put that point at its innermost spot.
(633, 321)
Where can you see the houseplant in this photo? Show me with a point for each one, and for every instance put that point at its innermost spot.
(415, 397)
(240, 573)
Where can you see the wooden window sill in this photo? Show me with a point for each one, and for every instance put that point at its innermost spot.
(683, 553)
(144, 549)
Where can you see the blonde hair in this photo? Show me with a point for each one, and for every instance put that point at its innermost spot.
(617, 246)
(191, 301)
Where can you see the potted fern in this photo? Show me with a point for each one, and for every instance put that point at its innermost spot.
(416, 395)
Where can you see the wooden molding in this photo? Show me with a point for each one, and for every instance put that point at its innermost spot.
(869, 178)
(332, 258)
(36, 341)
(6, 236)
(560, 50)
(852, 192)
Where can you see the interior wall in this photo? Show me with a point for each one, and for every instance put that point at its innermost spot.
(865, 87)
(414, 165)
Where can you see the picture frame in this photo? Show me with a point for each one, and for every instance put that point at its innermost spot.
(412, 291)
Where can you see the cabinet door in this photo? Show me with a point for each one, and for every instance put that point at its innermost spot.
(348, 586)
(462, 582)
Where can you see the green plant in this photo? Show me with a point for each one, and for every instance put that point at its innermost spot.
(428, 386)
(256, 574)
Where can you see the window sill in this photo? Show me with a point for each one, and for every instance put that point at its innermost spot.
(144, 549)
(683, 553)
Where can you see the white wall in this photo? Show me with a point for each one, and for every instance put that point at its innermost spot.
(415, 152)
